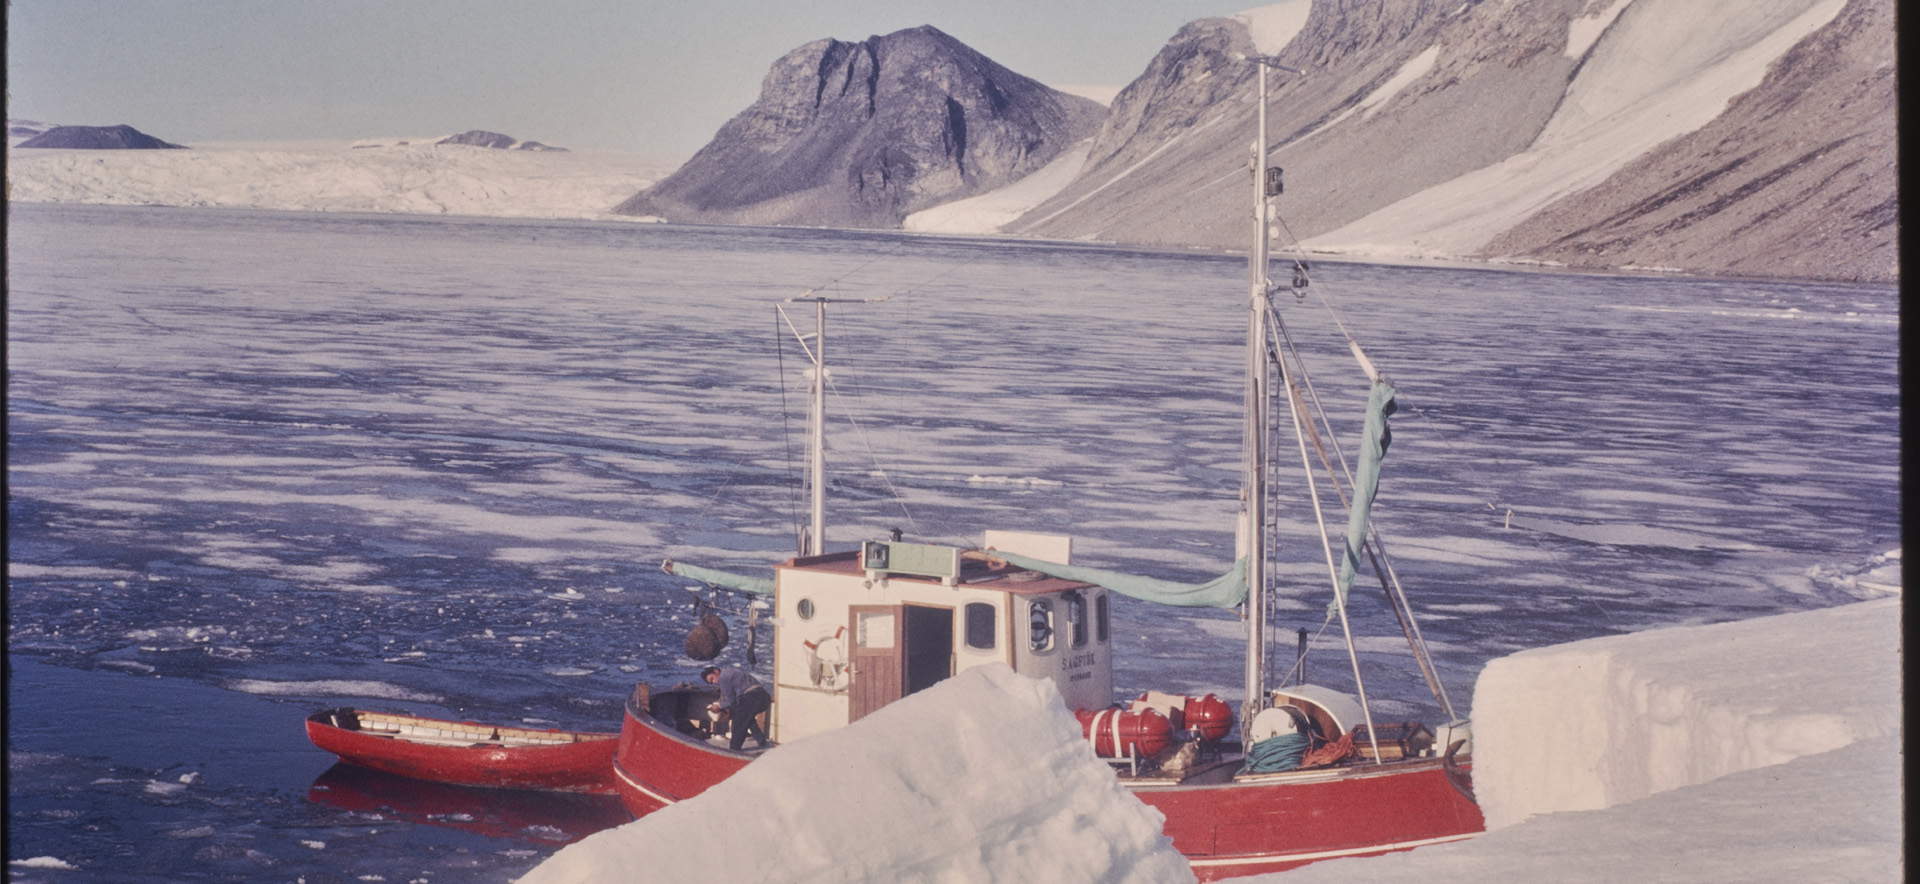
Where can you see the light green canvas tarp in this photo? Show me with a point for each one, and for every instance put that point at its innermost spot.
(727, 579)
(1373, 447)
(1225, 591)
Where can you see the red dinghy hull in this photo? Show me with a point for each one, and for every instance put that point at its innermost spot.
(466, 753)
(662, 757)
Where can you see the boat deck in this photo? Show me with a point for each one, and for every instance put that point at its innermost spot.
(1220, 770)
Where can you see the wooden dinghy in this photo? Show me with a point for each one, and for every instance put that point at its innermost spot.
(467, 753)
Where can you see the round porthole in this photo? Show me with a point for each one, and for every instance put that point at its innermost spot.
(806, 609)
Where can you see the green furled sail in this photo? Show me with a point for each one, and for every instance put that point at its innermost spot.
(1366, 480)
(763, 585)
(1225, 591)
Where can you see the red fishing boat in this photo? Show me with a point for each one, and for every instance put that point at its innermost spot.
(467, 753)
(1310, 773)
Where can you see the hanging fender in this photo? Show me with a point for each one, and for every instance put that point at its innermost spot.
(708, 637)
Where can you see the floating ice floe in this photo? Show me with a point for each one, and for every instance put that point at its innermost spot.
(329, 688)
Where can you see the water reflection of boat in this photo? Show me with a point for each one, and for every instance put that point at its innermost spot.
(467, 753)
(552, 817)
(1312, 773)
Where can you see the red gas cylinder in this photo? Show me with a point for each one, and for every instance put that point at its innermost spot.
(1117, 732)
(1210, 716)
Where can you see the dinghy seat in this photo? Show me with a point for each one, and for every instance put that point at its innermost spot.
(344, 718)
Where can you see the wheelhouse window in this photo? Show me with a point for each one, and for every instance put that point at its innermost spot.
(1100, 617)
(874, 630)
(1039, 625)
(980, 623)
(1077, 617)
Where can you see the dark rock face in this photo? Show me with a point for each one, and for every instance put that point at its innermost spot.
(98, 138)
(494, 141)
(864, 134)
(480, 138)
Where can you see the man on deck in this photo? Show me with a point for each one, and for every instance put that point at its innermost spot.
(743, 697)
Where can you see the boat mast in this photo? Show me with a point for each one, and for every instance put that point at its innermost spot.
(1266, 185)
(813, 539)
(1253, 490)
(817, 436)
(1253, 483)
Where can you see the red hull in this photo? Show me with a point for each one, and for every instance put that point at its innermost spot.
(1283, 821)
(1226, 830)
(475, 754)
(657, 765)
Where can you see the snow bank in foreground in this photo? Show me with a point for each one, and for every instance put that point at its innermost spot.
(1606, 721)
(1835, 816)
(984, 777)
(1761, 751)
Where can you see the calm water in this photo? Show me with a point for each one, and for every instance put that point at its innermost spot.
(264, 463)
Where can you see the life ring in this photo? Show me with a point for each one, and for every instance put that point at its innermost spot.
(827, 661)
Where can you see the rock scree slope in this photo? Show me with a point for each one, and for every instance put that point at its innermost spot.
(1600, 134)
(1797, 178)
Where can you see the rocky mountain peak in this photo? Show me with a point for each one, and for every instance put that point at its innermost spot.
(863, 134)
(120, 137)
(494, 140)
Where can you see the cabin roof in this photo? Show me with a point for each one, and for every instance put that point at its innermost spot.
(974, 574)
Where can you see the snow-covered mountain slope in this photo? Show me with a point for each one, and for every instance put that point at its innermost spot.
(1753, 138)
(384, 175)
(1795, 178)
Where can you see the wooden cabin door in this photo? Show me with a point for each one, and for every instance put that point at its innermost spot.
(879, 666)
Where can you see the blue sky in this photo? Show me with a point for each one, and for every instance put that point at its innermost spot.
(648, 77)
